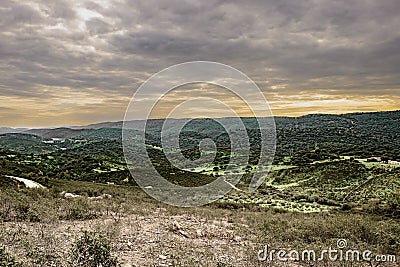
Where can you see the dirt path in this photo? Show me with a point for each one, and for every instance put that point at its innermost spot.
(28, 183)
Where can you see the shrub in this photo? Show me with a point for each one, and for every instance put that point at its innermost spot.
(394, 205)
(7, 259)
(92, 250)
(79, 209)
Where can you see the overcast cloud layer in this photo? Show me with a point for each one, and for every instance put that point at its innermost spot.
(69, 62)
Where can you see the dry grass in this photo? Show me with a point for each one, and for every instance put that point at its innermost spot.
(143, 232)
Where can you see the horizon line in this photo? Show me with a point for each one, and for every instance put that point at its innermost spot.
(163, 118)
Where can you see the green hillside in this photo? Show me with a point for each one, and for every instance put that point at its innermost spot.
(25, 143)
(317, 158)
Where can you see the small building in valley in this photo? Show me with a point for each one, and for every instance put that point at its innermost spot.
(374, 159)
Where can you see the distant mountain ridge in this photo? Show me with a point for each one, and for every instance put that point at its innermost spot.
(138, 124)
(63, 132)
(4, 130)
(374, 129)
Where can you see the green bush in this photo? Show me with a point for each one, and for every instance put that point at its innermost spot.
(393, 205)
(92, 250)
(7, 259)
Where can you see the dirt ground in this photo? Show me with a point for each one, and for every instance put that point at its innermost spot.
(154, 239)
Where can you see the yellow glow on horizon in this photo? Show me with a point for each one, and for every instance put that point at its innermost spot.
(66, 107)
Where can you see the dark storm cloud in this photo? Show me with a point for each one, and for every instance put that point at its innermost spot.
(287, 47)
(301, 39)
(16, 14)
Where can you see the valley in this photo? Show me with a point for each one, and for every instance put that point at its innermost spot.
(325, 182)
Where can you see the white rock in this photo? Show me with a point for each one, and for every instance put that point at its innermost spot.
(163, 257)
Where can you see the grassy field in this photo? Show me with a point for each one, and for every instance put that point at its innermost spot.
(41, 227)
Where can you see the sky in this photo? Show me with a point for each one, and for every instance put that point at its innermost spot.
(68, 62)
